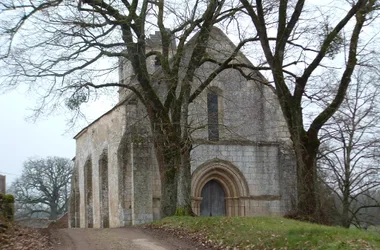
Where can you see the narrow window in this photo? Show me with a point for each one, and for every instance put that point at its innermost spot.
(213, 122)
(157, 61)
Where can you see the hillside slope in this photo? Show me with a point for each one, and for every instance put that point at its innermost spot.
(267, 233)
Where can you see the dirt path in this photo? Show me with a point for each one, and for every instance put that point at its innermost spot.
(117, 238)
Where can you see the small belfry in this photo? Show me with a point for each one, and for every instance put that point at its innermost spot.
(239, 163)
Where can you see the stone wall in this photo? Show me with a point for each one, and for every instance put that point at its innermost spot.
(143, 166)
(118, 177)
(142, 182)
(74, 201)
(248, 111)
(2, 184)
(104, 135)
(288, 181)
(119, 148)
(259, 164)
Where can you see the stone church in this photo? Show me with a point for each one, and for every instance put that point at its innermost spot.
(239, 163)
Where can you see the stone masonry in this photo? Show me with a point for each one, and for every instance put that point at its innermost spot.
(116, 180)
(2, 184)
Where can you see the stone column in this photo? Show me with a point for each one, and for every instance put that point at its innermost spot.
(196, 205)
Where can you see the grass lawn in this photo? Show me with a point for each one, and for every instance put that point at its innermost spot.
(270, 233)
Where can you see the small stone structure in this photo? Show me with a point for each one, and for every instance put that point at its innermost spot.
(7, 206)
(239, 163)
(2, 184)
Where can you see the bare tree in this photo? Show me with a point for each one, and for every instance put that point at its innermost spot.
(62, 47)
(369, 215)
(297, 33)
(43, 187)
(350, 143)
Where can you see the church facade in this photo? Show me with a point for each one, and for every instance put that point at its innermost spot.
(239, 162)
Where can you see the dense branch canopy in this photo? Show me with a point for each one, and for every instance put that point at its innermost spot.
(43, 186)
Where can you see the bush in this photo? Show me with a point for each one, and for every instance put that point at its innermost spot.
(7, 206)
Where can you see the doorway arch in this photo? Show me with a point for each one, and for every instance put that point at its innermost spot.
(230, 179)
(213, 200)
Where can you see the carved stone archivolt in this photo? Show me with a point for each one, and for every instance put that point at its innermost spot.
(229, 177)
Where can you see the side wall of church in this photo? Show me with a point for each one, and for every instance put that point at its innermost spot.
(144, 166)
(118, 145)
(102, 136)
(146, 177)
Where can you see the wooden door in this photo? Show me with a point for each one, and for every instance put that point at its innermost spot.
(213, 202)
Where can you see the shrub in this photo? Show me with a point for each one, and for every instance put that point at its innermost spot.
(7, 206)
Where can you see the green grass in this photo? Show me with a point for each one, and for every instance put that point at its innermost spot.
(374, 229)
(271, 233)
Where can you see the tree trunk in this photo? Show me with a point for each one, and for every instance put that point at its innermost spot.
(184, 183)
(306, 149)
(307, 199)
(345, 212)
(168, 155)
(53, 212)
(346, 220)
(169, 190)
(184, 173)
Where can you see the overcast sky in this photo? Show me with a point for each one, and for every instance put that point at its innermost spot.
(21, 139)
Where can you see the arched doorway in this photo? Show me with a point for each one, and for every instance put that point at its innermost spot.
(213, 199)
(222, 175)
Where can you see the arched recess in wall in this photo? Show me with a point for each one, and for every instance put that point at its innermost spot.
(214, 113)
(89, 204)
(104, 195)
(123, 158)
(230, 178)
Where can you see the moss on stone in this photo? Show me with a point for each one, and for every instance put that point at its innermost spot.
(182, 211)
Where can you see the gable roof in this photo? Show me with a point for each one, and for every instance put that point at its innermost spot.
(219, 32)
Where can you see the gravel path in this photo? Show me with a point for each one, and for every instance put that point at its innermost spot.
(129, 238)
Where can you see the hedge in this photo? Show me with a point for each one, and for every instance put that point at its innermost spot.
(7, 206)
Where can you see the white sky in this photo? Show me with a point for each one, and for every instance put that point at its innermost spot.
(49, 136)
(21, 138)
